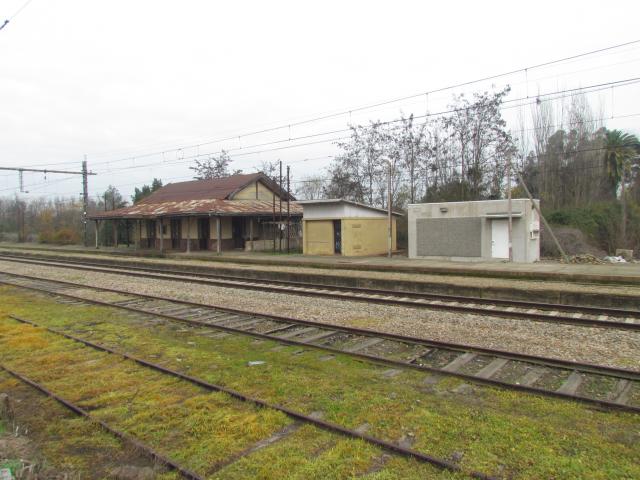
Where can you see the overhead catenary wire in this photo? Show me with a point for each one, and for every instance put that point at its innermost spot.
(350, 111)
(304, 122)
(565, 154)
(325, 156)
(24, 5)
(558, 95)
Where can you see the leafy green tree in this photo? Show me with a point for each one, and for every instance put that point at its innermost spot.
(146, 190)
(112, 199)
(621, 151)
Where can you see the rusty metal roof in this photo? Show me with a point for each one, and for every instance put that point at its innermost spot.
(199, 207)
(216, 188)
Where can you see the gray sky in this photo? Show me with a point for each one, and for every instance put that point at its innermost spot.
(121, 79)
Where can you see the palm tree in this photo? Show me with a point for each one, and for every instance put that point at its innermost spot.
(620, 150)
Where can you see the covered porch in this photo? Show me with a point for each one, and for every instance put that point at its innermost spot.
(197, 232)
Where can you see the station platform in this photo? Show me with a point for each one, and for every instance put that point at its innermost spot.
(614, 273)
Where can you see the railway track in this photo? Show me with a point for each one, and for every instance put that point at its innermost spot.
(128, 439)
(602, 386)
(293, 414)
(534, 311)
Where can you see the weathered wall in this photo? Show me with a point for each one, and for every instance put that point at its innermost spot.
(225, 228)
(256, 191)
(441, 224)
(317, 237)
(267, 245)
(189, 228)
(367, 236)
(449, 237)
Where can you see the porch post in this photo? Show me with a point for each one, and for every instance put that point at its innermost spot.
(161, 236)
(115, 233)
(97, 229)
(188, 234)
(139, 222)
(251, 233)
(218, 234)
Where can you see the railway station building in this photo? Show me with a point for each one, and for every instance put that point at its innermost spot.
(240, 212)
(474, 230)
(343, 227)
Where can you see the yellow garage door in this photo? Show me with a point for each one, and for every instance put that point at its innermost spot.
(318, 237)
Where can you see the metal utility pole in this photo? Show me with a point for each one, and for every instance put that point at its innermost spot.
(273, 224)
(85, 198)
(510, 208)
(288, 213)
(85, 188)
(390, 229)
(280, 215)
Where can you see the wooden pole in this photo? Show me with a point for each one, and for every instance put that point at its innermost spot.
(188, 234)
(161, 236)
(251, 233)
(218, 234)
(97, 230)
(544, 220)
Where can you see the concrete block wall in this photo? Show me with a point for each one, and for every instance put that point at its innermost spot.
(463, 230)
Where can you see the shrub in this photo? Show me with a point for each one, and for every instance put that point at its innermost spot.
(65, 236)
(601, 222)
(45, 236)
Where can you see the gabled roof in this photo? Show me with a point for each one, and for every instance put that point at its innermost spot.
(214, 189)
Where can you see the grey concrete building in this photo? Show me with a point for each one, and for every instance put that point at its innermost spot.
(474, 230)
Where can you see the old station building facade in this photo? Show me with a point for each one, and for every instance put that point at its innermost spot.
(241, 212)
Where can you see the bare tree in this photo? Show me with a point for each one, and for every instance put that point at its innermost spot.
(311, 188)
(213, 167)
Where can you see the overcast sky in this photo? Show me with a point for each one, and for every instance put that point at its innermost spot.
(120, 79)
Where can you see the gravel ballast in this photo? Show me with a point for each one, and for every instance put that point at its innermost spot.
(454, 280)
(612, 347)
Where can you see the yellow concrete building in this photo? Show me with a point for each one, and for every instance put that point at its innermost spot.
(343, 227)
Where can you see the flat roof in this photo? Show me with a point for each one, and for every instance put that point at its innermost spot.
(348, 202)
(473, 201)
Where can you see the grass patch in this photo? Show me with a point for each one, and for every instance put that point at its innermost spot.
(59, 443)
(496, 431)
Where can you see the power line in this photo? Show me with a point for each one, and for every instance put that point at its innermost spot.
(375, 105)
(539, 98)
(182, 160)
(451, 165)
(24, 5)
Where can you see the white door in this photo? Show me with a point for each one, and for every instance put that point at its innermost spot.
(500, 238)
